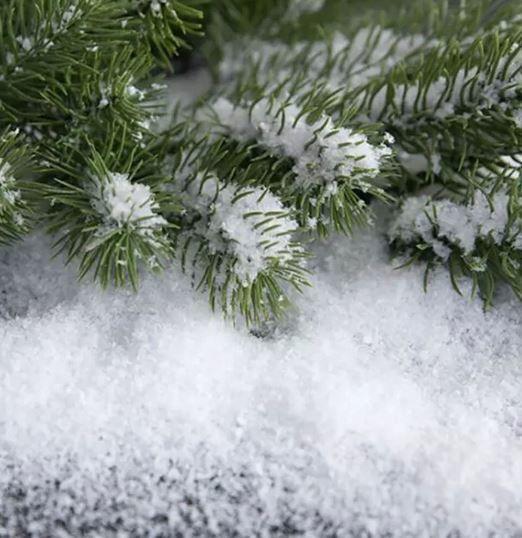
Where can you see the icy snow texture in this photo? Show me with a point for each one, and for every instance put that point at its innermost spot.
(322, 152)
(377, 407)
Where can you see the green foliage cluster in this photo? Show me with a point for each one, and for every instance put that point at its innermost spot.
(317, 108)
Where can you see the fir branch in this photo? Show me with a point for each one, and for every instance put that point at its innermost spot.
(237, 241)
(107, 211)
(14, 164)
(165, 25)
(480, 240)
(318, 167)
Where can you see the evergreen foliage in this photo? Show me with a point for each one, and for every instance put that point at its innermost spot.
(318, 108)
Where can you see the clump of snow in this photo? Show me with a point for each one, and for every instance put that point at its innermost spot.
(323, 153)
(433, 221)
(375, 409)
(249, 224)
(120, 202)
(9, 194)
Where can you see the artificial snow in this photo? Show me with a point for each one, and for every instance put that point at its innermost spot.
(374, 408)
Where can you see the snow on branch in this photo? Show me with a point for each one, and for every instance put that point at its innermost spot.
(13, 209)
(477, 85)
(444, 225)
(248, 224)
(122, 203)
(322, 153)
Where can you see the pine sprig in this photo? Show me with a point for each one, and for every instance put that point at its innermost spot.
(236, 239)
(14, 166)
(480, 240)
(108, 213)
(165, 25)
(318, 166)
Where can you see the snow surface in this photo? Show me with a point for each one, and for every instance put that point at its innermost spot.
(375, 407)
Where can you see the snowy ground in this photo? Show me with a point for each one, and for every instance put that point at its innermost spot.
(376, 408)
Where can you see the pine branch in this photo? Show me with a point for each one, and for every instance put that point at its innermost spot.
(14, 210)
(106, 210)
(480, 240)
(235, 238)
(318, 167)
(165, 25)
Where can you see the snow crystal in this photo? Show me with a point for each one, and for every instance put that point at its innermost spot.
(134, 93)
(156, 5)
(377, 409)
(123, 203)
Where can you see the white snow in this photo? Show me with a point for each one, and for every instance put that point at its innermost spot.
(123, 203)
(8, 191)
(156, 5)
(323, 153)
(250, 224)
(432, 220)
(375, 406)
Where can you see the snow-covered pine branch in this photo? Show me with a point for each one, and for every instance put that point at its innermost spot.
(461, 105)
(13, 208)
(237, 242)
(108, 219)
(484, 74)
(480, 239)
(330, 164)
(302, 123)
(338, 61)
